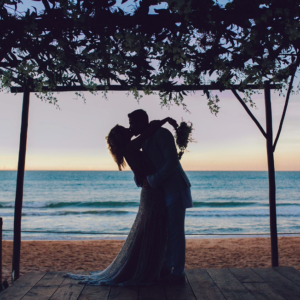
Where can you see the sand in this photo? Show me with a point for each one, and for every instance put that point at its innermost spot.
(201, 253)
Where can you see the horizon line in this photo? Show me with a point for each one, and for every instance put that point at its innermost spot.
(14, 170)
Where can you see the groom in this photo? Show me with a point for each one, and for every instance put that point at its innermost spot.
(172, 179)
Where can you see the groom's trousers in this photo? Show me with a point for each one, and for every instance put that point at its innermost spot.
(174, 260)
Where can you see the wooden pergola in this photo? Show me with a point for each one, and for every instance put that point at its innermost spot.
(268, 134)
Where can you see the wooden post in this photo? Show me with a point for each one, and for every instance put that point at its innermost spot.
(271, 173)
(19, 188)
(1, 222)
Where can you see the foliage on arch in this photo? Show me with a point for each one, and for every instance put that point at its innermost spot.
(90, 42)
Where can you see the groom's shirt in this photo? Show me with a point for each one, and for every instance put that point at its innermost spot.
(169, 174)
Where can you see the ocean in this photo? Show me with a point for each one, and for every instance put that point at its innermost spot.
(72, 205)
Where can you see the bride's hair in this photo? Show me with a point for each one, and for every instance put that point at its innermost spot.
(116, 147)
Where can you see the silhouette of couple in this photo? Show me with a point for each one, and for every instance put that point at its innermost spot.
(154, 250)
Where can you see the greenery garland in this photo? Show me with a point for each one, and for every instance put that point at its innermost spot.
(183, 136)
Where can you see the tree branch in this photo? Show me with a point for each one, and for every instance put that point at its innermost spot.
(249, 112)
(47, 6)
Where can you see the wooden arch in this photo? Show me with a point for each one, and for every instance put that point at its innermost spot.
(268, 134)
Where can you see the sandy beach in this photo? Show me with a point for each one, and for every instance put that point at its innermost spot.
(201, 253)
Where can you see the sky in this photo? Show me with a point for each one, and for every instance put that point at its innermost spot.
(73, 138)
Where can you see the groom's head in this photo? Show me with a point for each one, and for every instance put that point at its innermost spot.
(138, 121)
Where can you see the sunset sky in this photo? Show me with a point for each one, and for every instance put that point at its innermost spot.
(73, 138)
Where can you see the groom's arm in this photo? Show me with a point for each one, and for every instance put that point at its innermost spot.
(167, 146)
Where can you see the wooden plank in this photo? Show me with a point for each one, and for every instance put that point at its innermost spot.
(90, 292)
(179, 292)
(51, 279)
(40, 293)
(290, 273)
(46, 287)
(278, 282)
(229, 285)
(21, 286)
(203, 286)
(262, 291)
(246, 275)
(68, 290)
(150, 292)
(123, 292)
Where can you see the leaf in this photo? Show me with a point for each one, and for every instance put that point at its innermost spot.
(162, 11)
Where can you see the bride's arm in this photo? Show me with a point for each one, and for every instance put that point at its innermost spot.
(137, 143)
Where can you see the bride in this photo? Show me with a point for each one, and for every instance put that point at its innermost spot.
(140, 260)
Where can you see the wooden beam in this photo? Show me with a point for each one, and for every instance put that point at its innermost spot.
(284, 109)
(175, 88)
(249, 112)
(19, 188)
(271, 173)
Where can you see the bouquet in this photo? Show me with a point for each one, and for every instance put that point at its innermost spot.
(183, 136)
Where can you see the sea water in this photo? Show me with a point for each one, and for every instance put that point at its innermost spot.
(61, 205)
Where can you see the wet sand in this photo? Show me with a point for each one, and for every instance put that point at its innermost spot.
(201, 253)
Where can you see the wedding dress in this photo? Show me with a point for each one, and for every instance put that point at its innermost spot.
(140, 260)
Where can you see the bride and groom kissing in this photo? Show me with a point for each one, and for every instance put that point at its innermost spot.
(154, 250)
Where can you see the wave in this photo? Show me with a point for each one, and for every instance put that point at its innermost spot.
(118, 204)
(92, 204)
(89, 212)
(212, 215)
(231, 198)
(223, 204)
(189, 214)
(239, 204)
(287, 204)
(106, 204)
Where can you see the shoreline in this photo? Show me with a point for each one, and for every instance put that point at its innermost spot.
(187, 236)
(91, 255)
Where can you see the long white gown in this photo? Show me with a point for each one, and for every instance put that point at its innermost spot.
(140, 260)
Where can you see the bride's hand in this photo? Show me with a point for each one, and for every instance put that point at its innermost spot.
(173, 123)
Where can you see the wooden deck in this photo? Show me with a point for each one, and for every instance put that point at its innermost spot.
(281, 283)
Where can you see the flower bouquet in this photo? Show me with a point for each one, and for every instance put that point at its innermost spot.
(183, 136)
